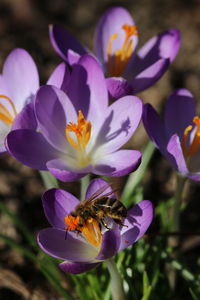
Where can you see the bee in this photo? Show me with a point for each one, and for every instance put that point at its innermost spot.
(99, 207)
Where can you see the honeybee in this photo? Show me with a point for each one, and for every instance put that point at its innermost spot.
(99, 207)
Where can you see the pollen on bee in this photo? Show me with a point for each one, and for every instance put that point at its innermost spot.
(72, 222)
(90, 230)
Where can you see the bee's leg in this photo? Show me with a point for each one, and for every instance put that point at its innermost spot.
(65, 234)
(77, 231)
(118, 221)
(104, 224)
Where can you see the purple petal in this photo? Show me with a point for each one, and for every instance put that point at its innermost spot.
(155, 127)
(57, 205)
(194, 176)
(61, 170)
(111, 23)
(77, 268)
(21, 77)
(62, 41)
(78, 86)
(121, 120)
(138, 220)
(95, 186)
(119, 163)
(72, 247)
(179, 112)
(60, 77)
(178, 160)
(53, 111)
(30, 148)
(26, 118)
(118, 87)
(110, 244)
(97, 86)
(149, 75)
(165, 45)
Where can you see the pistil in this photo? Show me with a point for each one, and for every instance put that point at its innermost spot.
(82, 132)
(189, 150)
(118, 62)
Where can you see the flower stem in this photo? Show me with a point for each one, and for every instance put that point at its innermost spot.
(49, 180)
(116, 281)
(173, 241)
(177, 204)
(84, 184)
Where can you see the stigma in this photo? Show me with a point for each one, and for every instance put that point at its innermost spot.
(191, 147)
(78, 135)
(118, 61)
(90, 229)
(5, 115)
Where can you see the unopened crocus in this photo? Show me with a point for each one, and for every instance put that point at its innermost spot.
(78, 133)
(116, 37)
(19, 83)
(178, 135)
(86, 249)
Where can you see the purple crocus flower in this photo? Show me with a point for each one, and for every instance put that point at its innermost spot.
(116, 39)
(80, 254)
(19, 83)
(79, 133)
(178, 136)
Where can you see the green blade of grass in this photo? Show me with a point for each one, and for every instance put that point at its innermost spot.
(135, 178)
(19, 224)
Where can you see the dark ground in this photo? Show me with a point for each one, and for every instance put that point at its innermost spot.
(24, 24)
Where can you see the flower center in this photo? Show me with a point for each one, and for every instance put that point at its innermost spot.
(191, 148)
(89, 228)
(78, 135)
(118, 62)
(5, 115)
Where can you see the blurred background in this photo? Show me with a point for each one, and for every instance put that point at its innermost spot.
(24, 24)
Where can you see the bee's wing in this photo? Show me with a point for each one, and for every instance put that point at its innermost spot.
(98, 193)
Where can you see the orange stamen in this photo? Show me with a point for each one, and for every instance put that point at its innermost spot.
(82, 132)
(118, 63)
(92, 232)
(5, 115)
(90, 229)
(194, 146)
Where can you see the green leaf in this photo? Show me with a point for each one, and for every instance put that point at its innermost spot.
(194, 296)
(135, 178)
(146, 287)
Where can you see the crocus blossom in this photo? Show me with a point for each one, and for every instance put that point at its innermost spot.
(178, 136)
(19, 83)
(116, 37)
(79, 133)
(87, 249)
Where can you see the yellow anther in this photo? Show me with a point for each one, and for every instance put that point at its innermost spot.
(119, 60)
(5, 115)
(92, 232)
(193, 147)
(82, 131)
